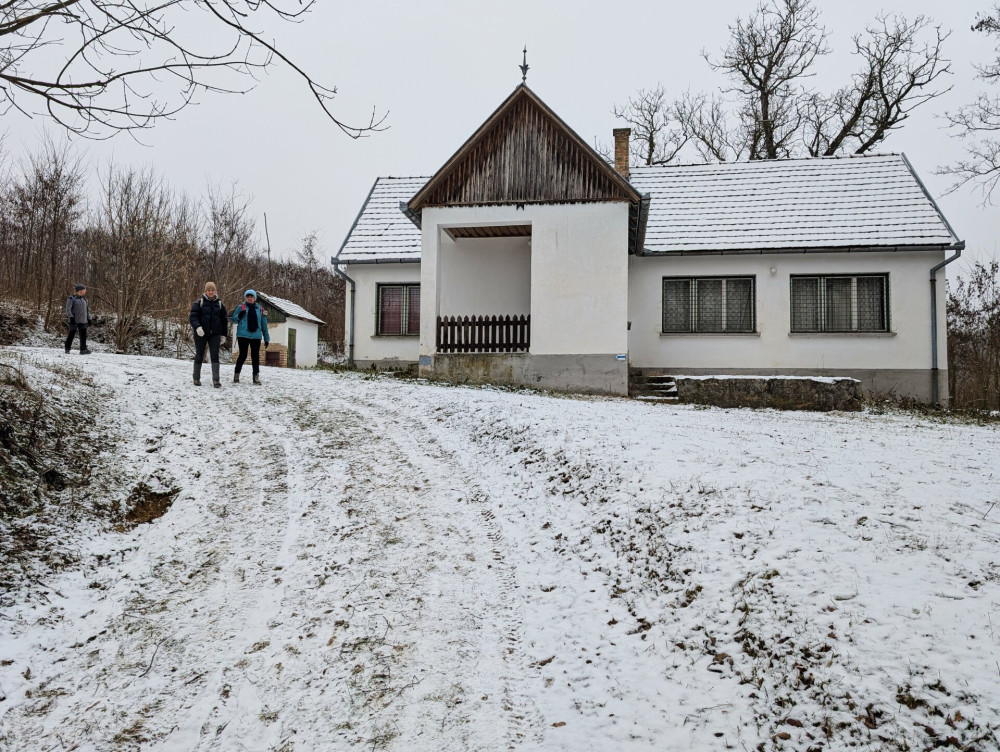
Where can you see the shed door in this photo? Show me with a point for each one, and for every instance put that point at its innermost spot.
(291, 348)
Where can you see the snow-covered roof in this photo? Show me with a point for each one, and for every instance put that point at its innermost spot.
(382, 232)
(827, 203)
(858, 202)
(289, 308)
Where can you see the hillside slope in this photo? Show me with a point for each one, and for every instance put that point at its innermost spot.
(354, 562)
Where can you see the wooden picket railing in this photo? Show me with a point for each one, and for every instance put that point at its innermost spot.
(483, 334)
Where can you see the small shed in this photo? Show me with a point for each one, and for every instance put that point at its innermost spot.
(294, 333)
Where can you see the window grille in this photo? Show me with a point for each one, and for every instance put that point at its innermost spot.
(840, 303)
(398, 310)
(709, 305)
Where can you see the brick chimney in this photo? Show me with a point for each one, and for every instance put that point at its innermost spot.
(621, 136)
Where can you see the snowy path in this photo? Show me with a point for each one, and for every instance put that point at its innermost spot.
(384, 565)
(301, 587)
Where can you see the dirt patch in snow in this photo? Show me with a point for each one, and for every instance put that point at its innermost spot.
(146, 504)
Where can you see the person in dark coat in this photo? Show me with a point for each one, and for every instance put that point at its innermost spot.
(210, 322)
(78, 318)
(251, 327)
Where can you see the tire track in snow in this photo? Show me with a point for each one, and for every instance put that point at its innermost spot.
(398, 444)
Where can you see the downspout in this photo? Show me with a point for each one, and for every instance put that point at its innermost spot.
(350, 336)
(958, 247)
(935, 392)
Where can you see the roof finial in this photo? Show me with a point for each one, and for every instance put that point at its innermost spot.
(524, 66)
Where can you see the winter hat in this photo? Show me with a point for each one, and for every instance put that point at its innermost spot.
(80, 287)
(249, 292)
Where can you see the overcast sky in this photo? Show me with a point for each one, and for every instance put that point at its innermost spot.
(440, 68)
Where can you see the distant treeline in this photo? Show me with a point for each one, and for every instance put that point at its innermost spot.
(143, 250)
(974, 338)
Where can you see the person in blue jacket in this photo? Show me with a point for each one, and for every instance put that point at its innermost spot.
(209, 321)
(251, 328)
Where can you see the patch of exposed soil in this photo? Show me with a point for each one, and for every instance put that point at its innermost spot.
(145, 504)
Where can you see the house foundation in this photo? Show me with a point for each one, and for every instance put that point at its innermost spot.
(586, 374)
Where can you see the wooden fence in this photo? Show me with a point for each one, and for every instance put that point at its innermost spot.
(483, 334)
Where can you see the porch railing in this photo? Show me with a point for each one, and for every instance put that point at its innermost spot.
(483, 334)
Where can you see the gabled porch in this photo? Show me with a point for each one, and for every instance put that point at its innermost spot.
(484, 289)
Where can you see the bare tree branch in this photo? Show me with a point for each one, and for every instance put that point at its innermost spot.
(99, 67)
(898, 73)
(978, 125)
(657, 137)
(767, 56)
(769, 113)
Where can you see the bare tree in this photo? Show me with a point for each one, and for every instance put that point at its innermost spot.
(767, 57)
(709, 128)
(230, 255)
(978, 124)
(657, 136)
(974, 338)
(98, 67)
(41, 212)
(769, 111)
(134, 244)
(898, 74)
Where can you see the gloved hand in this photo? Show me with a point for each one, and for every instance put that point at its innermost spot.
(243, 312)
(266, 344)
(200, 332)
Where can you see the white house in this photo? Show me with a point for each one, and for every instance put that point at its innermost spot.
(527, 259)
(294, 332)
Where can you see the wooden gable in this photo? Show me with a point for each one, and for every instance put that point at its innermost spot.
(524, 153)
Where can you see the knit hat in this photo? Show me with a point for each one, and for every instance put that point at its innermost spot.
(80, 287)
(249, 292)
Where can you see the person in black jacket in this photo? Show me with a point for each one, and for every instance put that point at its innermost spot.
(210, 323)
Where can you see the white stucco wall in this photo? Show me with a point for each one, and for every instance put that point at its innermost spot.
(485, 276)
(579, 273)
(306, 340)
(907, 346)
(369, 347)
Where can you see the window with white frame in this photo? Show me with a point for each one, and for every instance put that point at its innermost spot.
(708, 305)
(840, 303)
(398, 310)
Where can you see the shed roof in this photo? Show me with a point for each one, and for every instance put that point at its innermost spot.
(381, 232)
(289, 308)
(830, 203)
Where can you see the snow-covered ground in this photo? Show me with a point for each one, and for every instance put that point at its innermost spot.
(390, 565)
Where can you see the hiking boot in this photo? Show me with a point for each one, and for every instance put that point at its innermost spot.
(86, 351)
(68, 352)
(256, 380)
(236, 377)
(197, 382)
(217, 384)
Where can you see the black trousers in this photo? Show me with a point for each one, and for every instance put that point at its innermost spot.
(213, 344)
(245, 343)
(73, 329)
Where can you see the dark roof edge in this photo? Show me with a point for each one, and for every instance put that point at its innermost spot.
(958, 245)
(356, 220)
(931, 199)
(383, 261)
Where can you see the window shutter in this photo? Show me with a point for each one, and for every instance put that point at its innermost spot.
(871, 304)
(739, 305)
(709, 305)
(805, 304)
(676, 305)
(413, 309)
(390, 317)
